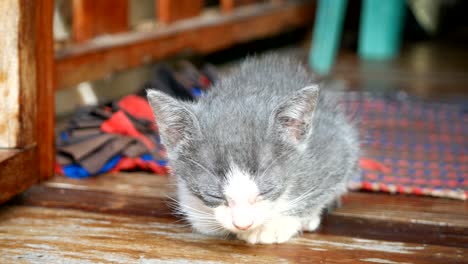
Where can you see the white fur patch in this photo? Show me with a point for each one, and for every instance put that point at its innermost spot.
(311, 224)
(278, 230)
(243, 212)
(241, 192)
(240, 189)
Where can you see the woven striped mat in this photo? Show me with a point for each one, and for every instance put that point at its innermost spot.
(411, 146)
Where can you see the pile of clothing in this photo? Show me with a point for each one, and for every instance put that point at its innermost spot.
(122, 135)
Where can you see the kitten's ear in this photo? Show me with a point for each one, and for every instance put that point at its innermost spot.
(292, 119)
(175, 122)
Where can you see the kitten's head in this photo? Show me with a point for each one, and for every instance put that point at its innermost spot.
(234, 164)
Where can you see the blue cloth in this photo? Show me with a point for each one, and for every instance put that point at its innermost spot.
(64, 136)
(77, 172)
(148, 157)
(196, 91)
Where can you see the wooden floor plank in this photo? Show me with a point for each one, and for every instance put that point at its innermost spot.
(400, 218)
(31, 234)
(138, 183)
(387, 217)
(94, 201)
(441, 212)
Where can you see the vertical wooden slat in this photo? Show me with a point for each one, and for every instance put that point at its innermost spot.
(229, 5)
(19, 36)
(45, 88)
(17, 74)
(96, 17)
(170, 10)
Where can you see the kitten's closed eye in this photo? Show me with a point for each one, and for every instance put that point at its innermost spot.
(266, 192)
(214, 196)
(264, 195)
(214, 200)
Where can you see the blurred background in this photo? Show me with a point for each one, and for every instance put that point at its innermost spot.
(418, 46)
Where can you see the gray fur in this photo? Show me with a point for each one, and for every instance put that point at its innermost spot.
(258, 116)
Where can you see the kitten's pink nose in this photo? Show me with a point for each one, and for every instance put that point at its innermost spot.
(243, 226)
(242, 215)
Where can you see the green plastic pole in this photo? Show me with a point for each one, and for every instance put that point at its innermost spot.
(381, 29)
(327, 34)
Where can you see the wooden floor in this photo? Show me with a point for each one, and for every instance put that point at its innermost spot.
(124, 218)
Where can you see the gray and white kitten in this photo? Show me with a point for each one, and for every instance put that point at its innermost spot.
(261, 155)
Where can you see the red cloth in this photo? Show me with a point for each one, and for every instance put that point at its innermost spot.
(127, 163)
(137, 107)
(205, 82)
(119, 123)
(58, 169)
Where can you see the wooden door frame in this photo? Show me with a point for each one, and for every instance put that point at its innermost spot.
(29, 156)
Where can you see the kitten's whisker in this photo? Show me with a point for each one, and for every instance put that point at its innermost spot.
(198, 215)
(273, 162)
(226, 234)
(170, 184)
(300, 198)
(194, 210)
(209, 224)
(201, 167)
(179, 221)
(182, 225)
(230, 156)
(296, 202)
(172, 203)
(171, 198)
(291, 204)
(304, 196)
(177, 205)
(201, 217)
(187, 212)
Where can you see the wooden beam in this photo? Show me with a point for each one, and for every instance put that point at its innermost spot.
(229, 5)
(26, 84)
(96, 59)
(45, 89)
(92, 18)
(17, 168)
(169, 11)
(388, 217)
(17, 74)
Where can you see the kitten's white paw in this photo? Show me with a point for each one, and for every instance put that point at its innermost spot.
(275, 231)
(311, 224)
